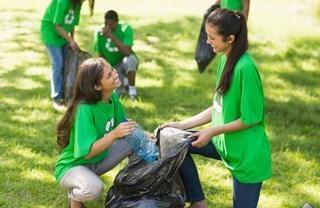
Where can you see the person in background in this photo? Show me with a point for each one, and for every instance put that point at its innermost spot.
(237, 134)
(57, 32)
(235, 5)
(114, 42)
(91, 132)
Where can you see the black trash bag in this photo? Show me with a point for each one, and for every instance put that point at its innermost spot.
(153, 185)
(204, 53)
(72, 61)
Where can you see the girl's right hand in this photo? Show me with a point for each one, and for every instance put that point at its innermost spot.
(171, 124)
(124, 129)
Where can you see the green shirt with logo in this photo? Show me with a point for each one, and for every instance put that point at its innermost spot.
(231, 4)
(246, 153)
(105, 47)
(91, 122)
(59, 12)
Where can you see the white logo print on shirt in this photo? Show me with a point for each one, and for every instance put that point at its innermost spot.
(68, 19)
(109, 125)
(109, 47)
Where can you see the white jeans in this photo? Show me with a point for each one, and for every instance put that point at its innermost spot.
(83, 182)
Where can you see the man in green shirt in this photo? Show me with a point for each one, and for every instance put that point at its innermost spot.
(114, 43)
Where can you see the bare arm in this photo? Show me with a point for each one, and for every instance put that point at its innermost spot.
(245, 8)
(65, 35)
(204, 136)
(197, 120)
(106, 141)
(124, 49)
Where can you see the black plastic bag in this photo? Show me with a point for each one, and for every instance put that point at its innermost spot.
(72, 61)
(204, 53)
(153, 185)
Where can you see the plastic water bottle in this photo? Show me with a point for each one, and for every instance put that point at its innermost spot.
(142, 146)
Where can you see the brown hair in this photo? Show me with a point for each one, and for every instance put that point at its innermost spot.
(90, 74)
(229, 23)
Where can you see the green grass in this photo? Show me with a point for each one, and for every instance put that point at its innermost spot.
(284, 38)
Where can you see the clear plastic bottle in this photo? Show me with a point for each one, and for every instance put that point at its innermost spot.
(142, 146)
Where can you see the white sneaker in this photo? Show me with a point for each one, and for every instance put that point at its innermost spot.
(58, 106)
(132, 92)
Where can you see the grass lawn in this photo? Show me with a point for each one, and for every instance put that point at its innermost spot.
(284, 39)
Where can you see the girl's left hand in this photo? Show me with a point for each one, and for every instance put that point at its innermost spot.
(204, 137)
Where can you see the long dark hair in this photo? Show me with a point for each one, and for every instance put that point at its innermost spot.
(228, 23)
(90, 74)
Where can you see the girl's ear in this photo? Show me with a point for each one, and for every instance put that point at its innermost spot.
(97, 87)
(231, 39)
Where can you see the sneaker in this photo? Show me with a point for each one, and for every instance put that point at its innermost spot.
(58, 105)
(307, 206)
(132, 92)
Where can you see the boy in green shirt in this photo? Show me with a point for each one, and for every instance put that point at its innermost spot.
(114, 43)
(237, 135)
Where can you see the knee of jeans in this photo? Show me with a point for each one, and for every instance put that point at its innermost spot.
(93, 191)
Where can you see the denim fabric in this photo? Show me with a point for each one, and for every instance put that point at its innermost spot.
(189, 173)
(57, 56)
(245, 195)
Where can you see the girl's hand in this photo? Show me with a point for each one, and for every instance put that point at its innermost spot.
(124, 129)
(171, 124)
(204, 137)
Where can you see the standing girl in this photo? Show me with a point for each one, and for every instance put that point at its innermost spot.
(57, 30)
(89, 132)
(237, 135)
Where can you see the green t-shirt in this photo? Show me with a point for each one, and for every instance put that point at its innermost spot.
(246, 153)
(59, 12)
(91, 122)
(231, 4)
(105, 47)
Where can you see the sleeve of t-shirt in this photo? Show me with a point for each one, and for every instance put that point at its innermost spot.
(252, 99)
(128, 36)
(58, 16)
(120, 114)
(85, 133)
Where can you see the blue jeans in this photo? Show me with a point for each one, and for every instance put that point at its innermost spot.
(57, 55)
(244, 195)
